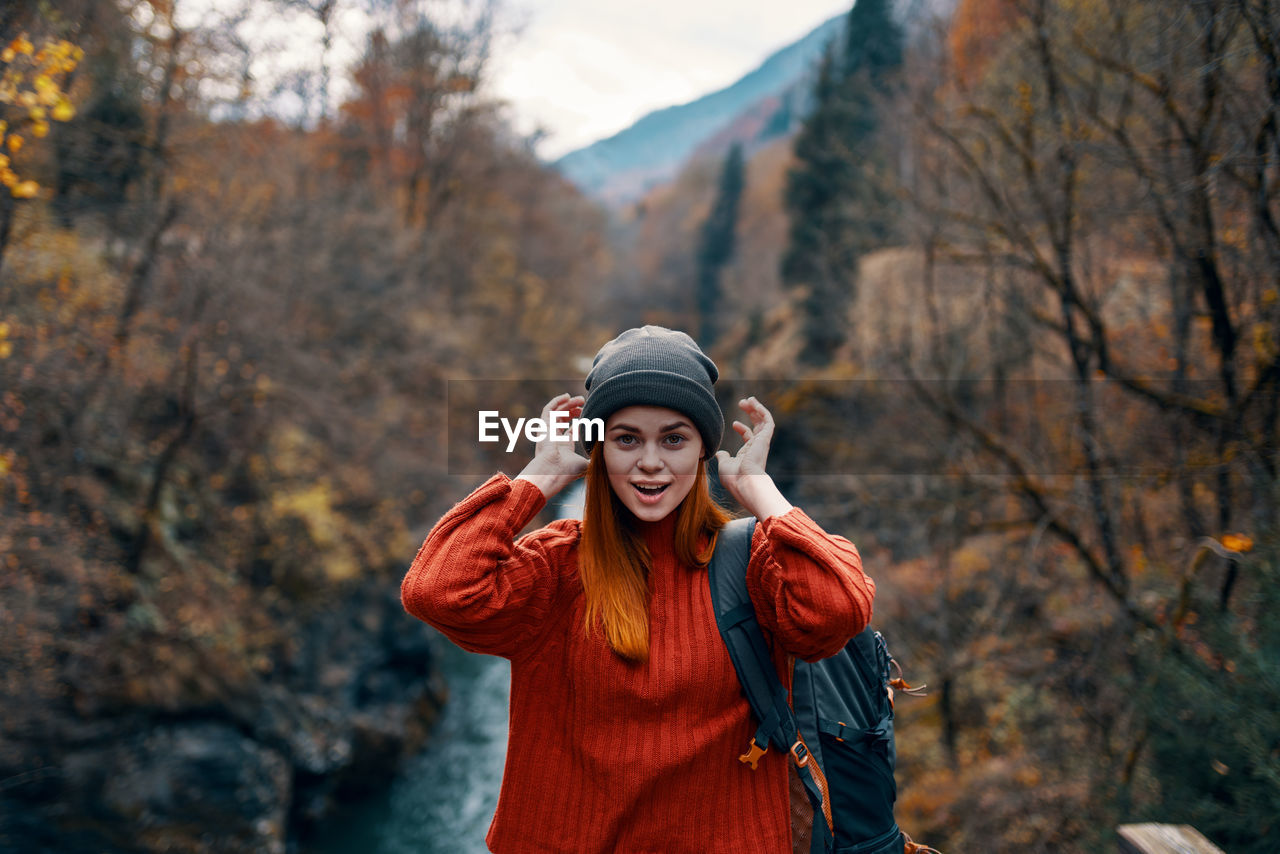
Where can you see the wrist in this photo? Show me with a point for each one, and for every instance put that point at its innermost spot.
(547, 478)
(760, 496)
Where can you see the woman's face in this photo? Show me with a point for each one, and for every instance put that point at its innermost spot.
(651, 454)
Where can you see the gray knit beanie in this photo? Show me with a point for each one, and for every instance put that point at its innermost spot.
(656, 366)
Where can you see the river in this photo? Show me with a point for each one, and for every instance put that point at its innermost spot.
(443, 799)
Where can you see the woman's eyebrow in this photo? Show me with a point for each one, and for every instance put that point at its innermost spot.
(667, 428)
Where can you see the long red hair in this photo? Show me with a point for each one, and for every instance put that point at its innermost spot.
(613, 561)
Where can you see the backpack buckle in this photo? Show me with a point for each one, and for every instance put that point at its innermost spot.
(753, 754)
(800, 752)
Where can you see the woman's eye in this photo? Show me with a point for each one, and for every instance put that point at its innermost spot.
(626, 441)
(674, 439)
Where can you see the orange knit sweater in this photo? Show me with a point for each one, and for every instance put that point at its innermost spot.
(611, 757)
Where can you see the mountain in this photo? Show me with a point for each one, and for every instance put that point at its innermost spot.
(763, 105)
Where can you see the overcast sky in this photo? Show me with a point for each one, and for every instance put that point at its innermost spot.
(581, 70)
(585, 69)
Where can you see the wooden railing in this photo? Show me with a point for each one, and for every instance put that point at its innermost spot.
(1164, 839)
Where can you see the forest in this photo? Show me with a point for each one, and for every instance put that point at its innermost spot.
(1011, 287)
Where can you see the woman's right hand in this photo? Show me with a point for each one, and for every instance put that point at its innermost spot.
(555, 463)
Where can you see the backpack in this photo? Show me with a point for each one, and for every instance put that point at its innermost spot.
(837, 725)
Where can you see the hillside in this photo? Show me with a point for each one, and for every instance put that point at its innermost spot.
(621, 168)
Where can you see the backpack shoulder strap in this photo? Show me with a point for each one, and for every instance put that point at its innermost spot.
(740, 629)
(736, 619)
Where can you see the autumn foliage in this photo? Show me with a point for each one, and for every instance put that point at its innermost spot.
(1052, 429)
(31, 93)
(222, 385)
(226, 339)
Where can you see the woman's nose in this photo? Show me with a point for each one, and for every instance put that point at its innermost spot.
(650, 459)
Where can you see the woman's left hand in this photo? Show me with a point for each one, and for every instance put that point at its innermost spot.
(743, 473)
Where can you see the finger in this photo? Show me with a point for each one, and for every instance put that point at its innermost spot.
(762, 419)
(554, 403)
(759, 414)
(743, 430)
(564, 403)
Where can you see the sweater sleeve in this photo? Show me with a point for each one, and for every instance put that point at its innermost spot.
(807, 586)
(474, 582)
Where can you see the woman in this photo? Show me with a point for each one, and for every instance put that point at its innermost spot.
(626, 715)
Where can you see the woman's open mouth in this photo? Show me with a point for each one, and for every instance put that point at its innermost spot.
(650, 494)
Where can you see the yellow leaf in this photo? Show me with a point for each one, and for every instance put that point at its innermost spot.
(22, 45)
(15, 143)
(63, 111)
(25, 190)
(40, 128)
(1238, 542)
(7, 55)
(6, 349)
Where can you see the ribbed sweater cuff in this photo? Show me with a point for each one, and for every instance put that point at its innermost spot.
(795, 521)
(525, 499)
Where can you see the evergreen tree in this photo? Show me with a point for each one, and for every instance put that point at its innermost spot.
(1212, 702)
(835, 196)
(718, 241)
(873, 41)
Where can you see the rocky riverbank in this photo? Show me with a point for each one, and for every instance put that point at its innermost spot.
(355, 694)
